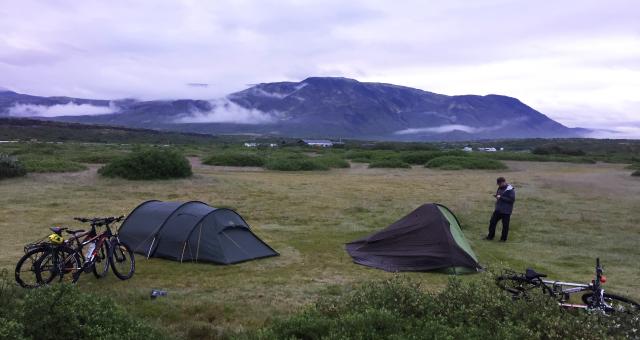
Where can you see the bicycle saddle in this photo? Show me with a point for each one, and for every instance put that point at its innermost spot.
(531, 274)
(57, 230)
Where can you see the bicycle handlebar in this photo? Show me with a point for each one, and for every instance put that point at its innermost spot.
(99, 221)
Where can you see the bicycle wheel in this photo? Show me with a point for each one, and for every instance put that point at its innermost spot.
(122, 260)
(616, 303)
(100, 265)
(516, 285)
(62, 263)
(26, 269)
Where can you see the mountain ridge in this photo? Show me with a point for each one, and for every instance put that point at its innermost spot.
(314, 107)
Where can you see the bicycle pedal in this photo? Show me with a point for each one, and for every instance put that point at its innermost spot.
(88, 267)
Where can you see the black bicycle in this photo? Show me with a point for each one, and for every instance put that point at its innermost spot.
(520, 285)
(44, 261)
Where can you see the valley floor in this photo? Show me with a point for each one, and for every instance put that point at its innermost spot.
(566, 215)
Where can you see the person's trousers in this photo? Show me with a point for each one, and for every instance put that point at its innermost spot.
(505, 225)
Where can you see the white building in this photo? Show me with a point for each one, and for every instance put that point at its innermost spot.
(467, 149)
(322, 143)
(251, 145)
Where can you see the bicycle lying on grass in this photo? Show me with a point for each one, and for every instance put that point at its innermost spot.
(519, 285)
(64, 260)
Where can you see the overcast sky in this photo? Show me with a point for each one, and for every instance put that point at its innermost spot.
(576, 61)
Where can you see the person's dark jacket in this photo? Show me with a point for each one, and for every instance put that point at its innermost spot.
(504, 205)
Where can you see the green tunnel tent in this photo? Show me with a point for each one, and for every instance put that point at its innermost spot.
(428, 238)
(191, 231)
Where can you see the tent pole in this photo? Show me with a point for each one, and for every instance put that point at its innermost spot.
(198, 248)
(151, 247)
(183, 248)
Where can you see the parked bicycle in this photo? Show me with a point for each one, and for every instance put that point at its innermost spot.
(57, 258)
(520, 285)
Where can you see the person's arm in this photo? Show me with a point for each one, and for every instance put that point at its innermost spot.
(508, 196)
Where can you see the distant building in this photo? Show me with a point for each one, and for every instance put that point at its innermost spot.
(273, 145)
(320, 143)
(488, 149)
(467, 149)
(251, 145)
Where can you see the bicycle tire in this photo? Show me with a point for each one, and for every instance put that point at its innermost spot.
(71, 266)
(29, 259)
(122, 260)
(516, 285)
(619, 304)
(100, 265)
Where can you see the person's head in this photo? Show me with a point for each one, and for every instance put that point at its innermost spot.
(501, 182)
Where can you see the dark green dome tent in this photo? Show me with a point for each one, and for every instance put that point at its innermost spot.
(428, 238)
(191, 231)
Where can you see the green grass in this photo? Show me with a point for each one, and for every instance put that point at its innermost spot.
(562, 212)
(50, 164)
(465, 162)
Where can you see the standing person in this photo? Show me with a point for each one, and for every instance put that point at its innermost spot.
(505, 197)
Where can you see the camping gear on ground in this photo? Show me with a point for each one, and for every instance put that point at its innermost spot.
(156, 292)
(428, 238)
(191, 231)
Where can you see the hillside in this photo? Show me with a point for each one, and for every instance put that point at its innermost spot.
(314, 107)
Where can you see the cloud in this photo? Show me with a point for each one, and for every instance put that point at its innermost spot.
(71, 109)
(552, 56)
(457, 127)
(226, 111)
(441, 129)
(629, 131)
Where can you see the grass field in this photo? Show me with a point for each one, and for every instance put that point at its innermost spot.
(565, 216)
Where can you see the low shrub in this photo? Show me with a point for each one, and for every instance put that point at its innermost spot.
(235, 159)
(402, 309)
(557, 150)
(465, 162)
(422, 157)
(35, 163)
(636, 173)
(332, 161)
(63, 312)
(98, 157)
(11, 167)
(148, 164)
(295, 162)
(389, 163)
(366, 156)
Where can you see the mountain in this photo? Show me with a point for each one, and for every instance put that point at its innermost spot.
(314, 107)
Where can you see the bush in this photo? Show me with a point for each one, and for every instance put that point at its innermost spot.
(63, 312)
(332, 161)
(235, 159)
(294, 162)
(557, 150)
(636, 173)
(389, 163)
(366, 156)
(422, 157)
(465, 162)
(11, 167)
(148, 164)
(401, 309)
